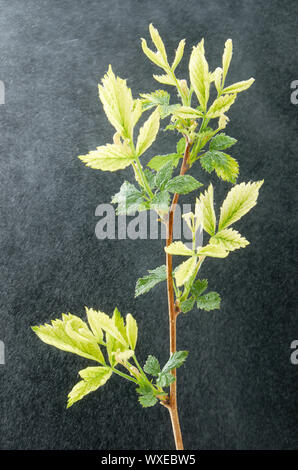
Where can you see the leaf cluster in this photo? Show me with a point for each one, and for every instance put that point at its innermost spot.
(111, 342)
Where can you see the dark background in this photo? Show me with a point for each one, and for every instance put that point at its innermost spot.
(238, 389)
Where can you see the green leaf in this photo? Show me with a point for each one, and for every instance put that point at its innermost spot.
(240, 200)
(178, 248)
(199, 74)
(118, 103)
(229, 239)
(144, 284)
(164, 175)
(226, 167)
(110, 157)
(150, 176)
(175, 361)
(239, 86)
(220, 106)
(131, 331)
(156, 98)
(152, 366)
(205, 210)
(198, 287)
(93, 378)
(187, 305)
(148, 132)
(129, 199)
(180, 147)
(185, 270)
(71, 334)
(159, 161)
(147, 400)
(160, 202)
(182, 184)
(144, 387)
(214, 251)
(210, 301)
(160, 99)
(165, 379)
(221, 142)
(204, 137)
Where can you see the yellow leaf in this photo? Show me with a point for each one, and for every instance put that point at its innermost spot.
(199, 74)
(240, 199)
(148, 133)
(220, 106)
(93, 378)
(213, 251)
(156, 39)
(110, 157)
(229, 239)
(155, 57)
(117, 102)
(217, 78)
(108, 325)
(178, 248)
(226, 59)
(178, 54)
(123, 356)
(205, 210)
(165, 79)
(186, 112)
(71, 334)
(131, 331)
(94, 324)
(185, 271)
(239, 86)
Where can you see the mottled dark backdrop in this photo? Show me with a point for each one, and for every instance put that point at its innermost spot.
(238, 389)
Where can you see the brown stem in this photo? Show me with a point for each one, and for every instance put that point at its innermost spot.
(174, 311)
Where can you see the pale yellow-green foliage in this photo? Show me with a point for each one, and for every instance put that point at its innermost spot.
(185, 270)
(131, 331)
(118, 103)
(239, 86)
(205, 210)
(220, 106)
(199, 74)
(148, 132)
(93, 378)
(109, 157)
(229, 239)
(178, 248)
(71, 334)
(226, 58)
(240, 199)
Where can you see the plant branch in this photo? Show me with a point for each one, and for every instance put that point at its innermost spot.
(173, 310)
